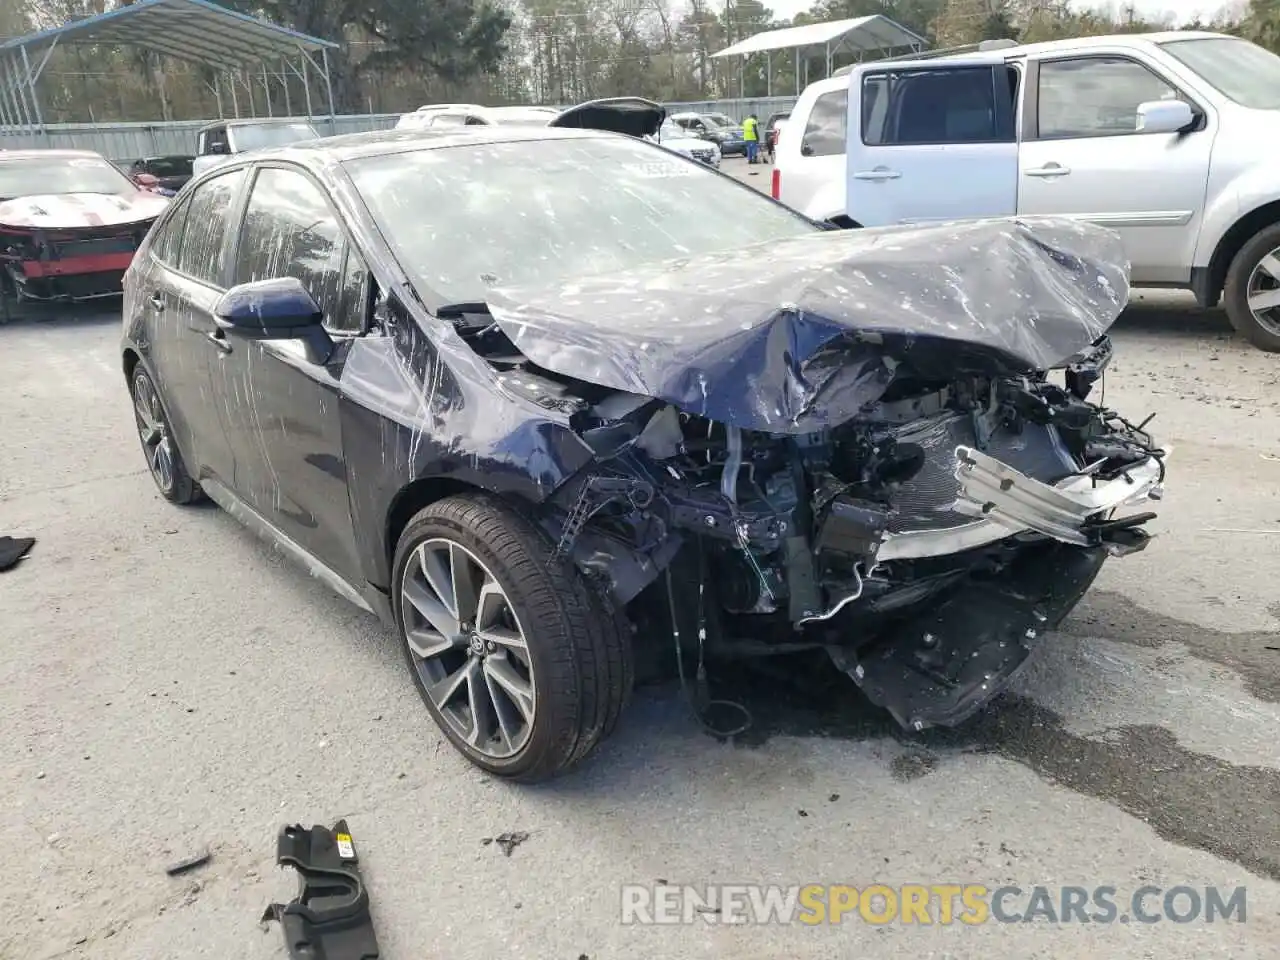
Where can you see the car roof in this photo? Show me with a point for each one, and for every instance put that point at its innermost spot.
(355, 146)
(50, 155)
(254, 122)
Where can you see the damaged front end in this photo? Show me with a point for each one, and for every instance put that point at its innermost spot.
(923, 493)
(69, 264)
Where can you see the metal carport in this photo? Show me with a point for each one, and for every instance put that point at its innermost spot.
(197, 31)
(862, 34)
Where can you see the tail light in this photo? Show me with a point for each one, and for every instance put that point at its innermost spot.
(775, 188)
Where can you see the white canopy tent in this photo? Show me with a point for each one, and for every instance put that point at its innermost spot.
(876, 34)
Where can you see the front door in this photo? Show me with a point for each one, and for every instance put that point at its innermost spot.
(1083, 157)
(280, 408)
(931, 141)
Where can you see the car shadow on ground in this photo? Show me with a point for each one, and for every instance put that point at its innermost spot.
(1171, 315)
(89, 313)
(1191, 799)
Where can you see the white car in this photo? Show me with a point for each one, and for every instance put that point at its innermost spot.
(1168, 138)
(218, 142)
(671, 136)
(472, 114)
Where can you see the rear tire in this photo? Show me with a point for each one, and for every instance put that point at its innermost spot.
(1248, 279)
(560, 674)
(164, 462)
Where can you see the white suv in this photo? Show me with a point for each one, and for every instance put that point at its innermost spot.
(1166, 137)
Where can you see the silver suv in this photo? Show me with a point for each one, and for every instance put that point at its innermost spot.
(1169, 138)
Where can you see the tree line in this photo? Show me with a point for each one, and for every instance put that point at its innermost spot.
(398, 54)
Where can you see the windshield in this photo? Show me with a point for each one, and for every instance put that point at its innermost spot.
(710, 123)
(30, 177)
(272, 135)
(1239, 70)
(670, 130)
(722, 119)
(462, 219)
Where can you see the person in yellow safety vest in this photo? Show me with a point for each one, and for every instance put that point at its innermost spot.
(750, 128)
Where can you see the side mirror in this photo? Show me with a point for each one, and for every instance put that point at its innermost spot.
(1164, 116)
(276, 309)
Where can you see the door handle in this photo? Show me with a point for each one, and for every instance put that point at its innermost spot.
(219, 340)
(1048, 170)
(879, 173)
(156, 301)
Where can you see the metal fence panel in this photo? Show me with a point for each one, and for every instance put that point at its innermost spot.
(125, 142)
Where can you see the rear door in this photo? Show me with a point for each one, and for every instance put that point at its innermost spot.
(280, 408)
(932, 140)
(178, 291)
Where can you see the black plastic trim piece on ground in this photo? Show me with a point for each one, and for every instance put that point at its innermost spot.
(14, 549)
(329, 919)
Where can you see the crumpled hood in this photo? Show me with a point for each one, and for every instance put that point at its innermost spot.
(70, 211)
(793, 335)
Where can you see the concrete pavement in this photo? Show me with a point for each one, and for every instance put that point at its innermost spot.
(169, 683)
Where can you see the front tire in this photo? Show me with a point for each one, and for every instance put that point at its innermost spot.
(516, 657)
(164, 462)
(1251, 294)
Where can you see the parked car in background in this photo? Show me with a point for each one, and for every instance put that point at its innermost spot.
(522, 115)
(226, 138)
(70, 222)
(728, 139)
(672, 136)
(770, 129)
(545, 416)
(723, 120)
(1168, 138)
(170, 173)
(445, 115)
(809, 162)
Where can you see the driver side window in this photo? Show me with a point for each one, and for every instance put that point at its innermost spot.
(1095, 96)
(290, 230)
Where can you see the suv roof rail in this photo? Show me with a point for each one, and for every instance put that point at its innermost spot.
(985, 46)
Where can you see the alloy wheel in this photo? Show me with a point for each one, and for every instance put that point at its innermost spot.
(468, 648)
(1263, 292)
(157, 444)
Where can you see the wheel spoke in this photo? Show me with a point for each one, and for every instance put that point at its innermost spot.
(429, 643)
(438, 578)
(430, 607)
(517, 689)
(503, 637)
(482, 708)
(1264, 300)
(463, 580)
(1270, 265)
(510, 728)
(444, 690)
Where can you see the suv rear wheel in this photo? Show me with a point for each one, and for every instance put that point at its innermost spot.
(516, 656)
(1252, 291)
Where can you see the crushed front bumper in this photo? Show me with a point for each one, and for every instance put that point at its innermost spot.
(1004, 502)
(996, 491)
(940, 667)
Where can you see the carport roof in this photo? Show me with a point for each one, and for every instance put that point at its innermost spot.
(861, 33)
(194, 30)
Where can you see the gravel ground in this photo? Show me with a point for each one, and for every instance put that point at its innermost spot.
(171, 684)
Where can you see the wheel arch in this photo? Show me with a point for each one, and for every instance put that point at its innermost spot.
(414, 496)
(1209, 286)
(130, 360)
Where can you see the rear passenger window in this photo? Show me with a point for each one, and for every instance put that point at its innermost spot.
(825, 133)
(168, 240)
(208, 218)
(964, 105)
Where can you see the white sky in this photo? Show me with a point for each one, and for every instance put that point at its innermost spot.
(1181, 9)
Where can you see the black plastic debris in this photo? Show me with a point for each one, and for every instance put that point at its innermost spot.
(190, 863)
(329, 919)
(13, 549)
(507, 841)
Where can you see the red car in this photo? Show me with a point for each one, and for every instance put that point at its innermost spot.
(69, 225)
